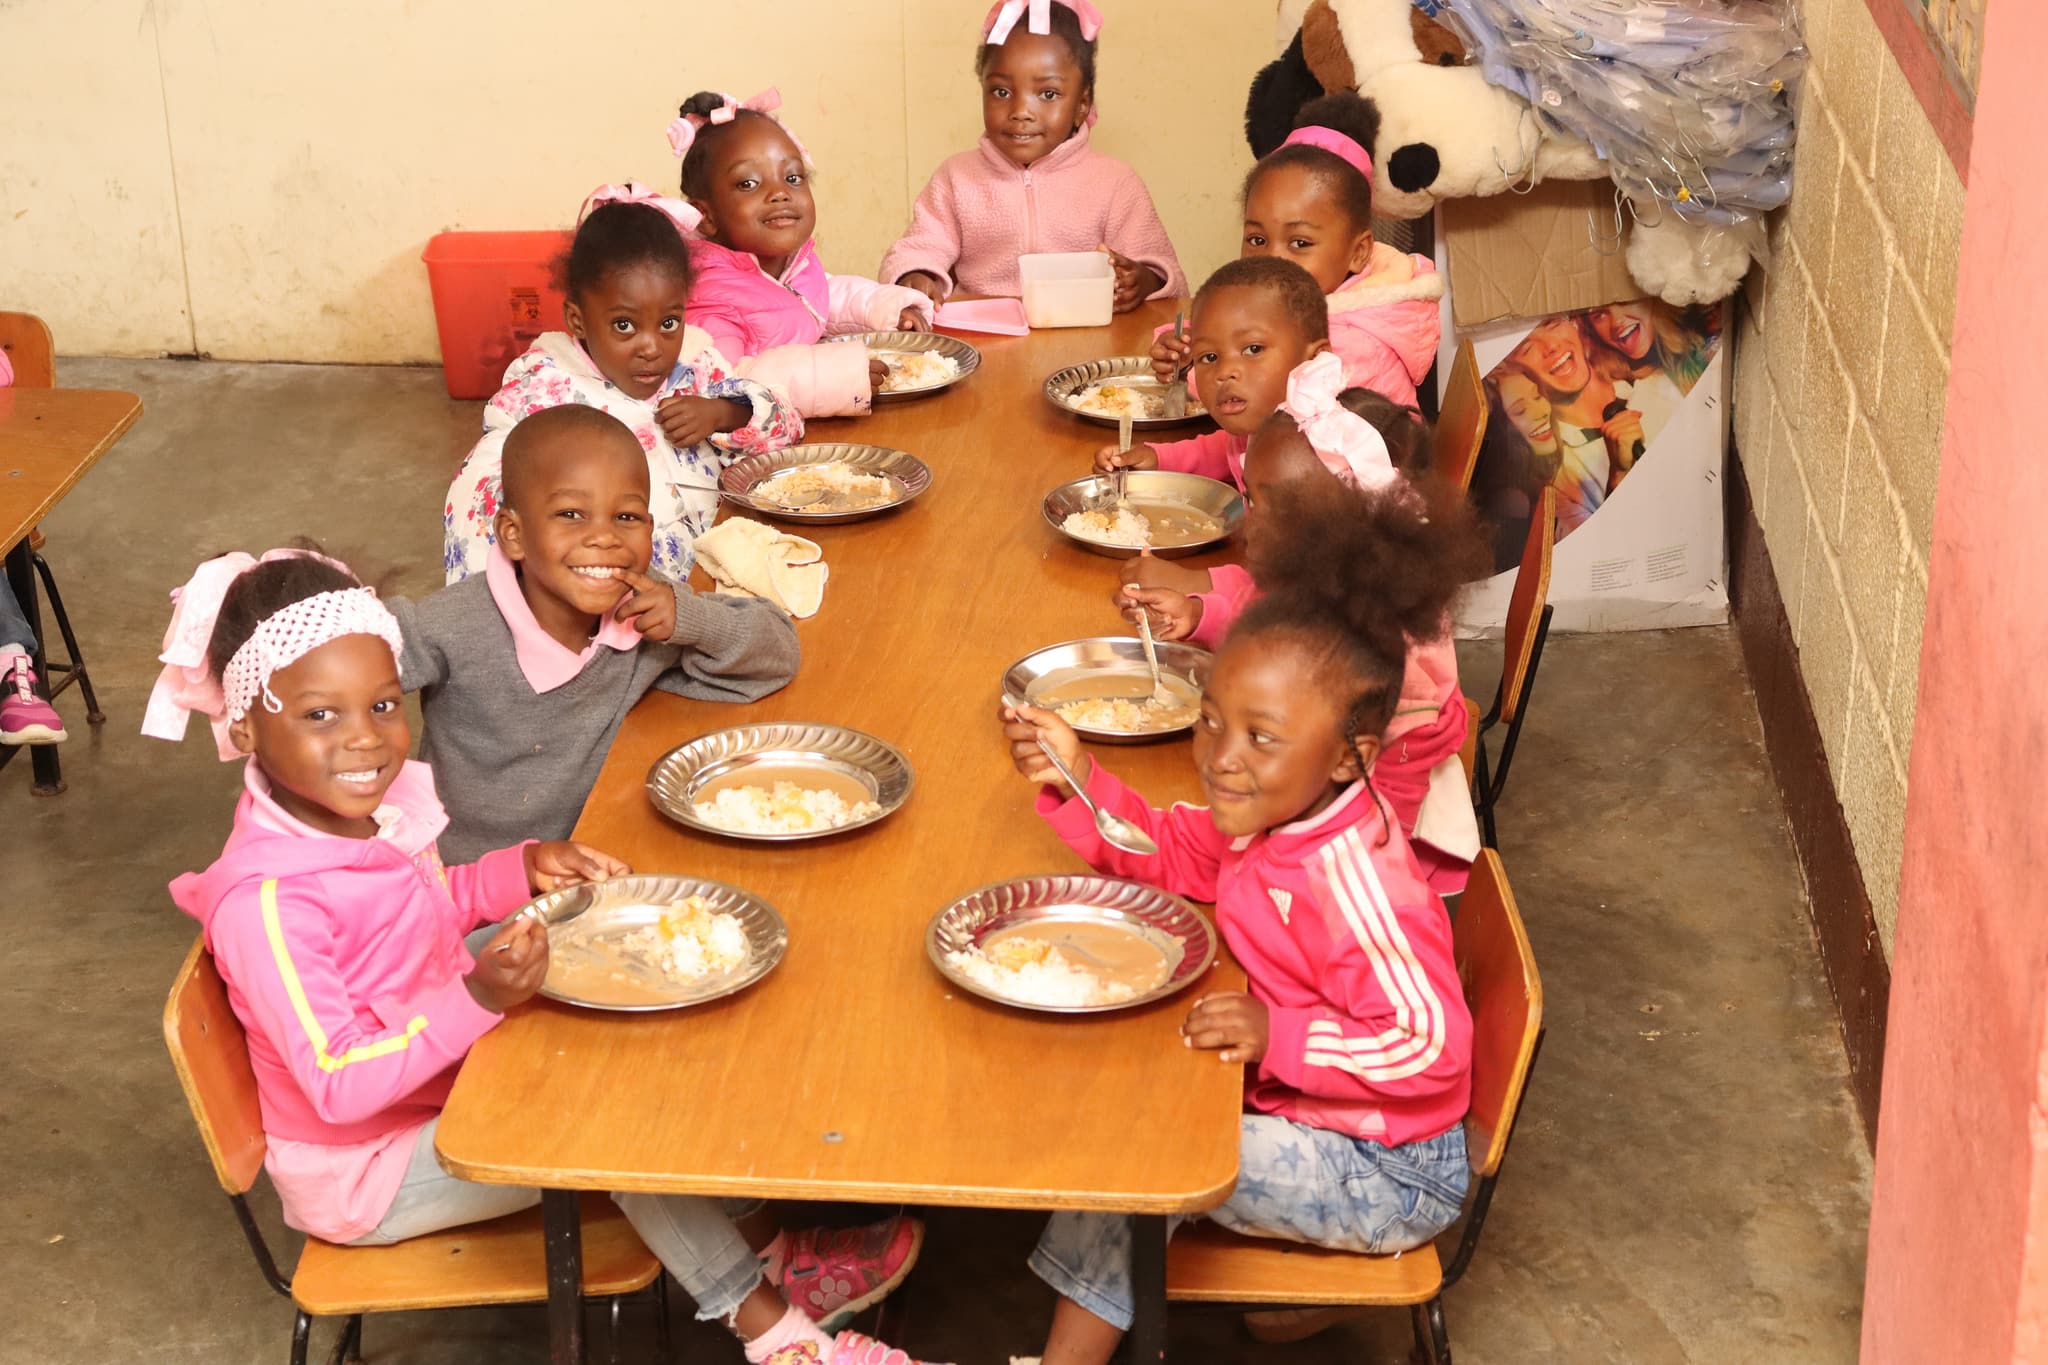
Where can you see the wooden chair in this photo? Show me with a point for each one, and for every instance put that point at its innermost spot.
(1208, 1265)
(1528, 626)
(488, 1263)
(33, 354)
(1461, 422)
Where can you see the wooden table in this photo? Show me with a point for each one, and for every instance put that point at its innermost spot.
(48, 439)
(854, 1071)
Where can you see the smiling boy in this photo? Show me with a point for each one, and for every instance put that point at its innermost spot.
(526, 670)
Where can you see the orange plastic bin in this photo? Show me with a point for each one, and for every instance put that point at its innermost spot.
(494, 292)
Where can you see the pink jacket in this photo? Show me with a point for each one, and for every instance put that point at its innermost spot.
(1384, 323)
(1214, 454)
(772, 326)
(343, 959)
(981, 211)
(1343, 943)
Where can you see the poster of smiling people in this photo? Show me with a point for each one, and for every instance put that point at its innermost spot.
(1621, 409)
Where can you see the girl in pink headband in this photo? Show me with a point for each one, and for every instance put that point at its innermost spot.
(1310, 201)
(1034, 184)
(1329, 443)
(760, 288)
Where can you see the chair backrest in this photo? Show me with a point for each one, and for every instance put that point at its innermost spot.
(1461, 422)
(1525, 606)
(211, 1054)
(30, 350)
(1505, 994)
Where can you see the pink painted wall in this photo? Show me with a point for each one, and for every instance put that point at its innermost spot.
(1958, 1267)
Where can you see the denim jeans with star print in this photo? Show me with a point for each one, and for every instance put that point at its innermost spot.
(1296, 1183)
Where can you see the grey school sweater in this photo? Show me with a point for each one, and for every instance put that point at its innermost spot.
(512, 764)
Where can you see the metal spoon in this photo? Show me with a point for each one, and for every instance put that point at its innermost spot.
(1123, 446)
(1113, 828)
(1162, 695)
(1176, 405)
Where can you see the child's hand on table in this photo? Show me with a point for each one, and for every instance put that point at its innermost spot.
(925, 283)
(1140, 456)
(686, 420)
(1175, 615)
(512, 965)
(1235, 1026)
(1134, 283)
(650, 606)
(912, 320)
(878, 373)
(1024, 726)
(1170, 355)
(1147, 570)
(563, 862)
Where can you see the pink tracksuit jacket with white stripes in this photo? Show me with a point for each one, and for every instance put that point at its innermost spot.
(1343, 942)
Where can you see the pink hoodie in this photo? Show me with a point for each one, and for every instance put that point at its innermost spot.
(1384, 322)
(1343, 943)
(772, 326)
(981, 211)
(343, 959)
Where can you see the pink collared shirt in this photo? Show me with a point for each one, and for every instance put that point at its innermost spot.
(546, 662)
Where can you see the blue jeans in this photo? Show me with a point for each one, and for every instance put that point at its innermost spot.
(693, 1237)
(13, 625)
(1296, 1183)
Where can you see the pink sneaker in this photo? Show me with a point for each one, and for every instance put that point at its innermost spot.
(26, 718)
(852, 1348)
(835, 1274)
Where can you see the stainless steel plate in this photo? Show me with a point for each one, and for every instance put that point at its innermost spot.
(1107, 666)
(908, 477)
(815, 755)
(1061, 386)
(969, 358)
(589, 965)
(1217, 501)
(1116, 922)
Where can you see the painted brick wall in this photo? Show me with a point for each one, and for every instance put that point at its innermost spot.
(1841, 372)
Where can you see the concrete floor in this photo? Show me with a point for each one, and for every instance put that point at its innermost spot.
(1689, 1182)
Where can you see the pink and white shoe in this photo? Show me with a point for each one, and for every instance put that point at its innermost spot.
(854, 1348)
(836, 1274)
(26, 718)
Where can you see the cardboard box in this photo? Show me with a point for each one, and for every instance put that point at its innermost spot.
(1534, 255)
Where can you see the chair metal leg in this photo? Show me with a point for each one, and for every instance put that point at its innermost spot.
(75, 671)
(302, 1332)
(1439, 1335)
(1425, 1347)
(348, 1347)
(664, 1344)
(612, 1346)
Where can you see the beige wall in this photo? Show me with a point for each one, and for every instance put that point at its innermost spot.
(1840, 381)
(257, 181)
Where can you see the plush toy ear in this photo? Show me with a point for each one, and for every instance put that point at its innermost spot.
(1278, 92)
(1438, 45)
(1322, 46)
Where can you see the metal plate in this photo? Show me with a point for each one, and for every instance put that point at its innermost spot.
(832, 755)
(1062, 385)
(1118, 662)
(910, 475)
(1104, 912)
(969, 358)
(1212, 498)
(586, 965)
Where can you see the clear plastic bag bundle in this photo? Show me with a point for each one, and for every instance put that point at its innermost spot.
(1690, 102)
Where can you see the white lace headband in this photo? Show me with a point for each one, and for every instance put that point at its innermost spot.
(290, 634)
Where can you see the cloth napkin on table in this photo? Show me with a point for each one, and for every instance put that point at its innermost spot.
(753, 559)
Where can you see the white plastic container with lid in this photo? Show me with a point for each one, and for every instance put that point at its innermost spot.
(1068, 288)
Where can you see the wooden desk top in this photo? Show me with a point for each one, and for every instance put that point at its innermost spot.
(855, 1071)
(48, 438)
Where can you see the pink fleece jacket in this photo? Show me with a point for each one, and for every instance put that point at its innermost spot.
(1343, 943)
(772, 325)
(981, 211)
(343, 959)
(1214, 455)
(1384, 323)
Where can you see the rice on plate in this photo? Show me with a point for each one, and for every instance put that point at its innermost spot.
(916, 370)
(1119, 526)
(784, 809)
(690, 940)
(1031, 971)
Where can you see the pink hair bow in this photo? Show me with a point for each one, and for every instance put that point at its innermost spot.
(1337, 144)
(186, 684)
(633, 192)
(683, 129)
(1349, 446)
(1003, 17)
